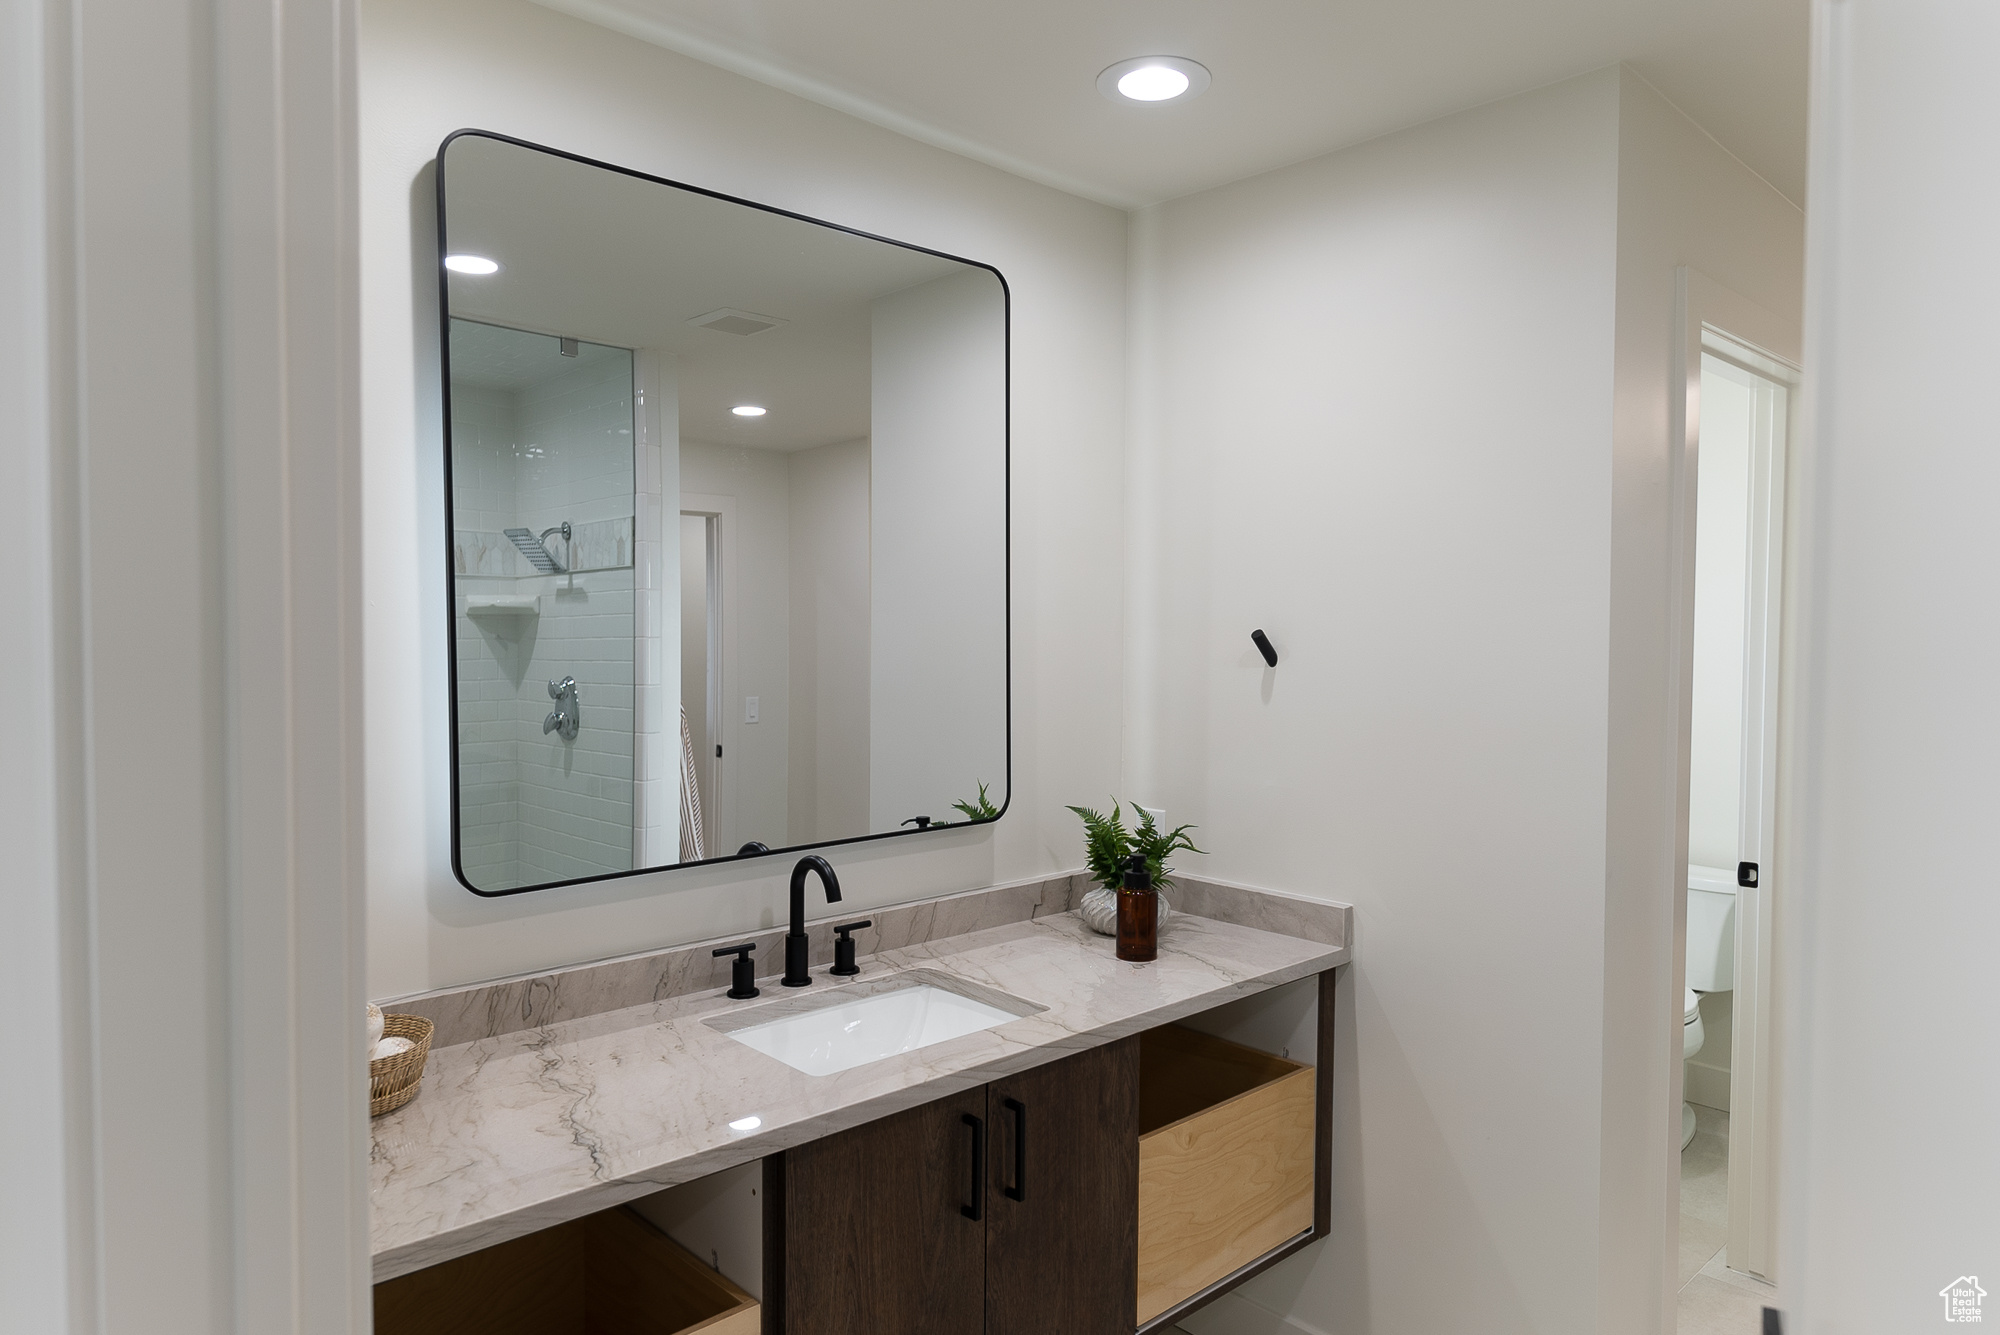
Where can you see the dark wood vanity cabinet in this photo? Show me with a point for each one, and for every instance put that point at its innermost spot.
(1062, 1184)
(1007, 1208)
(873, 1233)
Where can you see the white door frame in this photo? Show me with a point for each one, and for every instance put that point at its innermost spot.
(1715, 319)
(184, 1134)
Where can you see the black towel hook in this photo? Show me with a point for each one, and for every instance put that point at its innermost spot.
(1263, 643)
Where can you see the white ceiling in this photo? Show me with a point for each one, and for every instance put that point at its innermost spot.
(1014, 83)
(616, 259)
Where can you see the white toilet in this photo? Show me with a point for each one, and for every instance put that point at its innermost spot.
(1711, 957)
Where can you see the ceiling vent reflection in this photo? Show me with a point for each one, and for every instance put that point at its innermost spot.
(727, 321)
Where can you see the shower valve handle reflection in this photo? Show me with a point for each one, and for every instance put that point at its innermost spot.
(563, 718)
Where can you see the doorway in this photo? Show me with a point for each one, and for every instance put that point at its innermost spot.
(701, 679)
(1740, 423)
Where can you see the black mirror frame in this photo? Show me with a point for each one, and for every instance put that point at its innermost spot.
(450, 565)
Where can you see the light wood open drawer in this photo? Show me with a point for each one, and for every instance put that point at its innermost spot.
(610, 1273)
(1226, 1139)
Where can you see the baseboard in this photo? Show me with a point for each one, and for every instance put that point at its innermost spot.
(1706, 1085)
(1233, 1314)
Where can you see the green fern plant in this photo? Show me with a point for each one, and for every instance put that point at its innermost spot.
(1107, 844)
(983, 809)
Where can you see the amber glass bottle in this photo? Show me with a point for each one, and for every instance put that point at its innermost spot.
(1138, 913)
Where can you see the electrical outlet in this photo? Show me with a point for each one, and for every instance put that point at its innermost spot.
(749, 709)
(1159, 814)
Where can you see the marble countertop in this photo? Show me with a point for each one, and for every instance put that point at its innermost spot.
(522, 1131)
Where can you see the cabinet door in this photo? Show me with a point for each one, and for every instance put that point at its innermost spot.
(1062, 1228)
(884, 1226)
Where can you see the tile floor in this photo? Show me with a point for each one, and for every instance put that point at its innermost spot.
(1714, 1300)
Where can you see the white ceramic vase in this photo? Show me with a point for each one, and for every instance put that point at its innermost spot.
(1099, 910)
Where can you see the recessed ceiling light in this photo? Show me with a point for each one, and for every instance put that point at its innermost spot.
(1153, 83)
(747, 410)
(1153, 79)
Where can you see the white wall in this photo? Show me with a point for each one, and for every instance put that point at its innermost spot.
(829, 641)
(1893, 1092)
(937, 658)
(1404, 408)
(428, 68)
(1384, 403)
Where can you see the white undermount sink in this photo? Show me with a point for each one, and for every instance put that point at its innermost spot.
(856, 1023)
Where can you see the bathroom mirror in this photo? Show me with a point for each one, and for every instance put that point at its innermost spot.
(726, 497)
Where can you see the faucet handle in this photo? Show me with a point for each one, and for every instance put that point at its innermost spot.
(843, 947)
(743, 973)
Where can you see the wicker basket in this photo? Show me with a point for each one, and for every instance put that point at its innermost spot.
(393, 1081)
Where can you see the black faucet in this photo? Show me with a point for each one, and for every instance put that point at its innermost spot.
(795, 940)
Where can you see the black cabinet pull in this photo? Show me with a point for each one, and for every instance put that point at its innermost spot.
(1019, 1191)
(978, 1125)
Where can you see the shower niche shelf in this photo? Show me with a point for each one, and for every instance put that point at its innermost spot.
(502, 606)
